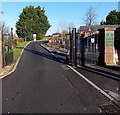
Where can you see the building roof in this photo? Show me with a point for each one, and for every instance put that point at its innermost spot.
(56, 34)
(96, 27)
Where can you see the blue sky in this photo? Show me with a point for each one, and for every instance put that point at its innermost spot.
(58, 12)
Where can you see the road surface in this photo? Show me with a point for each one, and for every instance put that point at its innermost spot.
(43, 84)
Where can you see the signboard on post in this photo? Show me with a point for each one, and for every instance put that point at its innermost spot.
(34, 37)
(92, 40)
(109, 39)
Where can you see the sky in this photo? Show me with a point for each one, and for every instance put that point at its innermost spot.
(57, 12)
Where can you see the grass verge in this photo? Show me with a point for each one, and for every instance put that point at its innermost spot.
(16, 54)
(18, 49)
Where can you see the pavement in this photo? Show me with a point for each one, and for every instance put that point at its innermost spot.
(105, 77)
(43, 83)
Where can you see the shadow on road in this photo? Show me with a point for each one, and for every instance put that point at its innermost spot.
(98, 71)
(59, 54)
(115, 68)
(48, 56)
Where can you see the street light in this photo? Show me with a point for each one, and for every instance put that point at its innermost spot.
(1, 60)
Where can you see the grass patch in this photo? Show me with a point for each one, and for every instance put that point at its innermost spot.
(18, 49)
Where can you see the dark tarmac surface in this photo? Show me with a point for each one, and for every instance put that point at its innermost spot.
(105, 77)
(43, 84)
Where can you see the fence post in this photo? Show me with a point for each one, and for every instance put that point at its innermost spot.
(83, 50)
(71, 47)
(74, 46)
(1, 61)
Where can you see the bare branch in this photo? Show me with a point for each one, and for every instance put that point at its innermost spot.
(4, 28)
(62, 28)
(1, 12)
(90, 17)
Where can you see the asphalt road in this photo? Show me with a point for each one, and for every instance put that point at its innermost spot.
(43, 84)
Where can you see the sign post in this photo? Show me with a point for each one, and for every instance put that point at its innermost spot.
(1, 61)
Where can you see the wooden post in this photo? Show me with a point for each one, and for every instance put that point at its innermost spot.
(1, 61)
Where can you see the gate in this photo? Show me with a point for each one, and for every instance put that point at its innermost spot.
(84, 49)
(7, 49)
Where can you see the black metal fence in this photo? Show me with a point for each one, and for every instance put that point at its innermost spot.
(84, 50)
(7, 46)
(8, 58)
(87, 50)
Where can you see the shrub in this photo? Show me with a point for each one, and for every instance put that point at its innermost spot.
(20, 40)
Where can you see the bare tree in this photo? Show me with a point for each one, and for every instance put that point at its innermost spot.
(4, 28)
(62, 28)
(70, 26)
(90, 17)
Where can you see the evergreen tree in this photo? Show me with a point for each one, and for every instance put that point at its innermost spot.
(32, 21)
(102, 22)
(113, 18)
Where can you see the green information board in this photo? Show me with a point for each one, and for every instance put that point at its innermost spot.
(109, 39)
(109, 34)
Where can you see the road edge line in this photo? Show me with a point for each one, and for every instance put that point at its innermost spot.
(95, 86)
(17, 62)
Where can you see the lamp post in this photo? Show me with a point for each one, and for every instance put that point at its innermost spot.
(1, 61)
(12, 39)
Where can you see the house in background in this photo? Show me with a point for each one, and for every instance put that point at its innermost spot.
(94, 40)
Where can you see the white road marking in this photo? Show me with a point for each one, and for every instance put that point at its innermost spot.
(68, 81)
(53, 54)
(91, 83)
(117, 88)
(99, 110)
(115, 95)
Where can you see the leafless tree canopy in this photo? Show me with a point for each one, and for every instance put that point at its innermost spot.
(71, 26)
(90, 17)
(4, 28)
(64, 28)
